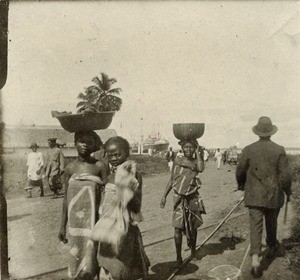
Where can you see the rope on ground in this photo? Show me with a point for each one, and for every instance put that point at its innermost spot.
(188, 259)
(166, 225)
(199, 229)
(244, 259)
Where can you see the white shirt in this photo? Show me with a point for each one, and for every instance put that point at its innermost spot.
(218, 154)
(34, 163)
(205, 155)
(180, 154)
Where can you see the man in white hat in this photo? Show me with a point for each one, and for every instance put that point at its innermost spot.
(263, 174)
(35, 165)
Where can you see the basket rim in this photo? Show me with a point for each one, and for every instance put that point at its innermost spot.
(56, 114)
(187, 123)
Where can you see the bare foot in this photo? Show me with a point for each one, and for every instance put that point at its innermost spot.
(178, 263)
(194, 255)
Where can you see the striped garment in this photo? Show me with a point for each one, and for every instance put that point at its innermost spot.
(185, 177)
(188, 205)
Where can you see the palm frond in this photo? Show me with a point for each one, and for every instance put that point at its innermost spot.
(82, 96)
(98, 82)
(107, 82)
(114, 91)
(80, 104)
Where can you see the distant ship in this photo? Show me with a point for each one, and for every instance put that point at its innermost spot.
(156, 144)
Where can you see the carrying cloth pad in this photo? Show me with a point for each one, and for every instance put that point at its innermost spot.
(83, 200)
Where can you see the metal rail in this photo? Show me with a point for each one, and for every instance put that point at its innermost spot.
(188, 259)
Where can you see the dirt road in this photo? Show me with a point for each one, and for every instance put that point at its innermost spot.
(34, 223)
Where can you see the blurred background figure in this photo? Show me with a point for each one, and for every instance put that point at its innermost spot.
(35, 165)
(170, 157)
(205, 155)
(218, 157)
(180, 154)
(54, 167)
(224, 157)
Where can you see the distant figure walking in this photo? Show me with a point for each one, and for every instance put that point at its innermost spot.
(205, 155)
(35, 165)
(170, 157)
(218, 157)
(263, 174)
(225, 154)
(54, 167)
(180, 154)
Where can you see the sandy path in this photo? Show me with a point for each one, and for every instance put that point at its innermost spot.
(34, 223)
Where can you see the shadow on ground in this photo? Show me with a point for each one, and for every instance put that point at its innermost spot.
(164, 270)
(226, 243)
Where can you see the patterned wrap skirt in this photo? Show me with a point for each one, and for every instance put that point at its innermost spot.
(187, 212)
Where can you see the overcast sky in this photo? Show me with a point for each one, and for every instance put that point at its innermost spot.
(221, 63)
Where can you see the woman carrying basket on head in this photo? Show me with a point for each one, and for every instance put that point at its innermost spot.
(188, 205)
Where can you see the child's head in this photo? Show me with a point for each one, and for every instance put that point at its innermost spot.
(87, 142)
(117, 149)
(189, 147)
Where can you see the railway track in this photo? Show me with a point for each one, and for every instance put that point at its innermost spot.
(188, 259)
(229, 216)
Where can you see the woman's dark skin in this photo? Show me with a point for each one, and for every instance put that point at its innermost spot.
(84, 163)
(188, 150)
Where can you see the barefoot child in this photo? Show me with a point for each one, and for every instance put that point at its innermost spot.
(188, 206)
(121, 252)
(86, 177)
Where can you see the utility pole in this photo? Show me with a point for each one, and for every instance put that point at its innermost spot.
(142, 137)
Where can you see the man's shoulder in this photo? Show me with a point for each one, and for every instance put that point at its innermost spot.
(272, 146)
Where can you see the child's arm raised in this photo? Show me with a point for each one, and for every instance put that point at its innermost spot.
(199, 157)
(168, 187)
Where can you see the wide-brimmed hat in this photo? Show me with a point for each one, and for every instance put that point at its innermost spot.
(34, 145)
(264, 127)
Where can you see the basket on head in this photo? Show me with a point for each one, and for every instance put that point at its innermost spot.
(84, 121)
(184, 131)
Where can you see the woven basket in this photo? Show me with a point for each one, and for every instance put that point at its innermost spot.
(83, 121)
(184, 131)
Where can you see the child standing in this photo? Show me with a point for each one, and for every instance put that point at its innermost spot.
(129, 261)
(86, 177)
(188, 206)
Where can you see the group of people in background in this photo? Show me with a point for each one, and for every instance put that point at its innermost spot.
(218, 156)
(51, 167)
(103, 198)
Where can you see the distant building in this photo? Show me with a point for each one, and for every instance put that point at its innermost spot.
(17, 139)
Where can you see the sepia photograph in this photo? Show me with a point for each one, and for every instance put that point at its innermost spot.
(150, 140)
